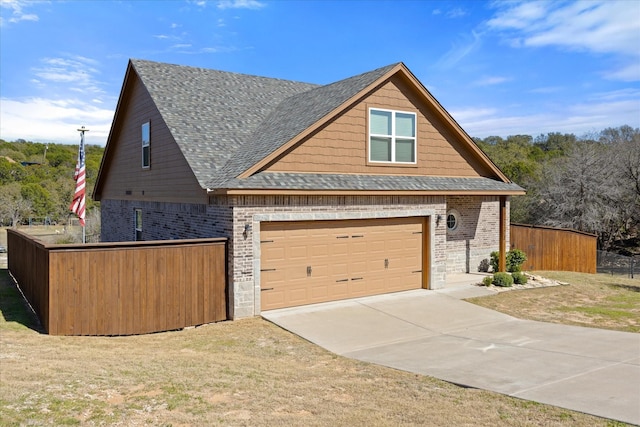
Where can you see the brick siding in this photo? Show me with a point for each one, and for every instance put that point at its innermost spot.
(477, 234)
(229, 216)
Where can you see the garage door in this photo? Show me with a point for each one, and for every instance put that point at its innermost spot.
(318, 261)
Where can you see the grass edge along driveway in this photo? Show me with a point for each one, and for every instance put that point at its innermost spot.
(590, 300)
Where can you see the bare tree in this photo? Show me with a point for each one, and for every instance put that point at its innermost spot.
(624, 161)
(93, 225)
(12, 205)
(595, 187)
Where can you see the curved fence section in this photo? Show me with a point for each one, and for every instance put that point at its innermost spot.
(122, 288)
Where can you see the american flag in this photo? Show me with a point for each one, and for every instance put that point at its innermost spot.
(79, 199)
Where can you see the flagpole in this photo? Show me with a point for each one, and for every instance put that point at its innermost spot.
(82, 131)
(79, 201)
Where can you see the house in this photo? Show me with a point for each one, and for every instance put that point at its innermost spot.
(360, 187)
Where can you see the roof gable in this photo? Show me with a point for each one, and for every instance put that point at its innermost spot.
(340, 146)
(346, 93)
(122, 176)
(293, 117)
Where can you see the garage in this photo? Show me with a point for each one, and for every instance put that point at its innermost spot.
(308, 262)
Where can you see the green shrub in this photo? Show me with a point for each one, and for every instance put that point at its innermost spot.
(503, 279)
(66, 240)
(487, 281)
(519, 278)
(495, 260)
(515, 259)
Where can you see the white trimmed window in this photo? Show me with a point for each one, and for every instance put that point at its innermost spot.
(137, 218)
(392, 136)
(453, 220)
(146, 145)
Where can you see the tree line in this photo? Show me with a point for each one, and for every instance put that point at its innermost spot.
(36, 180)
(589, 183)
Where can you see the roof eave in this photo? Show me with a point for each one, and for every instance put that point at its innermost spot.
(323, 192)
(97, 188)
(456, 128)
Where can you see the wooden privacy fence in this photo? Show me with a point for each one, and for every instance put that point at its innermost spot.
(555, 248)
(121, 288)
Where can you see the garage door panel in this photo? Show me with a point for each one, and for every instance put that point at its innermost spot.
(272, 253)
(298, 251)
(272, 276)
(273, 298)
(359, 248)
(319, 271)
(358, 269)
(339, 290)
(339, 269)
(299, 295)
(321, 250)
(320, 293)
(376, 285)
(347, 259)
(358, 288)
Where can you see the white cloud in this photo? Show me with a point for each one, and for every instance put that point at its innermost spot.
(457, 12)
(624, 110)
(72, 95)
(48, 120)
(240, 4)
(199, 3)
(17, 11)
(73, 72)
(625, 93)
(601, 27)
(472, 114)
(547, 89)
(626, 73)
(491, 80)
(579, 119)
(518, 16)
(459, 51)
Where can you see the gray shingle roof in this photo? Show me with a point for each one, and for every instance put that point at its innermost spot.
(337, 182)
(292, 117)
(210, 113)
(225, 123)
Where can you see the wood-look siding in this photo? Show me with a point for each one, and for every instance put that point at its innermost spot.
(121, 288)
(341, 145)
(169, 178)
(555, 249)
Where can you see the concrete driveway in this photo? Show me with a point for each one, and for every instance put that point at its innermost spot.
(436, 333)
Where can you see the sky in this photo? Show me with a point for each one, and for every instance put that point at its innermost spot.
(499, 68)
